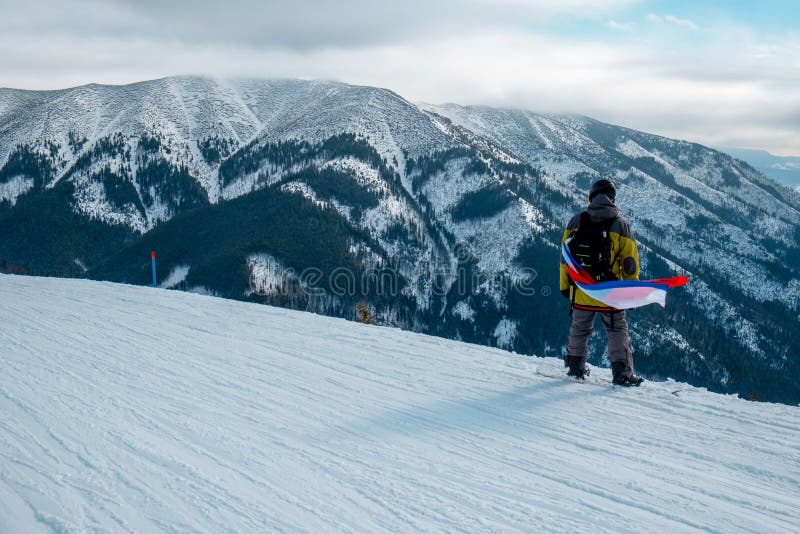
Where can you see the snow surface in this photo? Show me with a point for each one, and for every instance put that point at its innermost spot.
(137, 409)
(464, 311)
(267, 274)
(176, 276)
(11, 189)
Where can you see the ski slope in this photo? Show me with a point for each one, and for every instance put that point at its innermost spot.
(137, 409)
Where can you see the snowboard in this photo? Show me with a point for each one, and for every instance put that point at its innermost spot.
(595, 380)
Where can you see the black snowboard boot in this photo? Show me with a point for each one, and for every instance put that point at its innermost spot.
(621, 379)
(577, 367)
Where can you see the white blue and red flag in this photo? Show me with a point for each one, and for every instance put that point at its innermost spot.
(620, 294)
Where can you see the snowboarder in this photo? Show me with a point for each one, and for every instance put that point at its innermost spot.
(603, 243)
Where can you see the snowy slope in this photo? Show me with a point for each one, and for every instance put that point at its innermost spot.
(134, 409)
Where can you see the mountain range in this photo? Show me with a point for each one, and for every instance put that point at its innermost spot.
(782, 169)
(444, 219)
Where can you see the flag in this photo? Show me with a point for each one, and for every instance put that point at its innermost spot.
(620, 294)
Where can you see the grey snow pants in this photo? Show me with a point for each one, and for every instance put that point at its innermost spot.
(619, 342)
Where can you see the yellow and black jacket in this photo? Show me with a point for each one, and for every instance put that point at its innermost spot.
(624, 252)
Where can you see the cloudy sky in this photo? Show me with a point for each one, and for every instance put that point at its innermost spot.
(723, 73)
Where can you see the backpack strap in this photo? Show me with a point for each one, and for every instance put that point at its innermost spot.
(586, 220)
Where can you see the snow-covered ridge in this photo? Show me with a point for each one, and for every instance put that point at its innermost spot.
(137, 409)
(185, 110)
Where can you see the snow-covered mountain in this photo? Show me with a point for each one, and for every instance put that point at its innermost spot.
(135, 409)
(244, 186)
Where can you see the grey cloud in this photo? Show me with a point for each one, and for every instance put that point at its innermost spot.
(467, 52)
(297, 25)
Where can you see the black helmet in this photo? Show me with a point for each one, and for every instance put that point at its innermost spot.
(605, 187)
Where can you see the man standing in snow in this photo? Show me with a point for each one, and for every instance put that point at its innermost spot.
(603, 243)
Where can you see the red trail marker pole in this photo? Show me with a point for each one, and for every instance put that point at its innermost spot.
(153, 259)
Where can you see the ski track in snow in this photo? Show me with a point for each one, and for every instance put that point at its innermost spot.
(137, 409)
